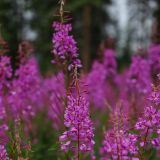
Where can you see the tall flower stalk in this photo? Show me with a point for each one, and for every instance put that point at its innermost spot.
(64, 45)
(78, 137)
(118, 143)
(5, 75)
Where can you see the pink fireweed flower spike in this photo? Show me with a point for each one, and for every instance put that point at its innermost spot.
(96, 80)
(5, 85)
(26, 89)
(79, 135)
(118, 144)
(149, 123)
(138, 77)
(64, 46)
(55, 93)
(5, 71)
(3, 153)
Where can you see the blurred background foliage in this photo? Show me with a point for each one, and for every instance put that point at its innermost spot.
(32, 20)
(93, 22)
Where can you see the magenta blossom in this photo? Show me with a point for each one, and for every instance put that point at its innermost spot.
(5, 70)
(110, 63)
(3, 153)
(96, 81)
(55, 92)
(147, 125)
(79, 135)
(26, 89)
(64, 46)
(138, 77)
(118, 143)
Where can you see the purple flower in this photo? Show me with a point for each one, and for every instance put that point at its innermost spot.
(138, 77)
(119, 145)
(64, 46)
(96, 81)
(148, 125)
(54, 98)
(102, 81)
(5, 70)
(3, 153)
(110, 63)
(155, 98)
(156, 142)
(149, 120)
(5, 75)
(79, 134)
(26, 94)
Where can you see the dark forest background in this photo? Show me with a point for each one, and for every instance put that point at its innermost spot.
(32, 20)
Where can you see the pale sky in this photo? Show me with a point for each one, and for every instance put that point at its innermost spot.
(122, 12)
(118, 11)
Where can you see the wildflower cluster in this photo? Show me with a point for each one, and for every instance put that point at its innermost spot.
(79, 135)
(149, 125)
(64, 46)
(118, 143)
(138, 77)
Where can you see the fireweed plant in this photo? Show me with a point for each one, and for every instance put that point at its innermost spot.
(103, 114)
(78, 137)
(5, 73)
